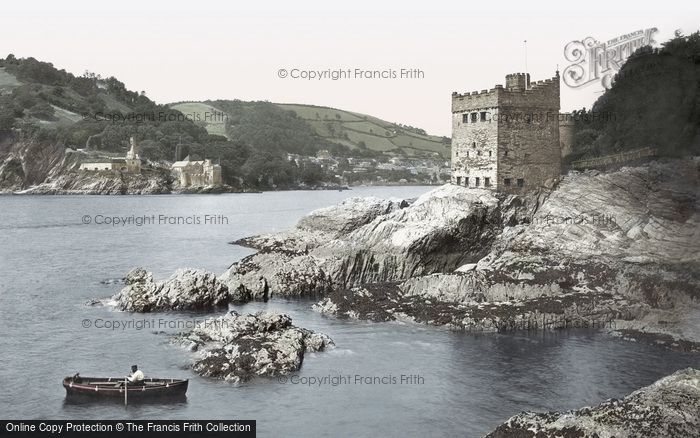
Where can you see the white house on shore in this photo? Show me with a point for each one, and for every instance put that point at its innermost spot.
(130, 164)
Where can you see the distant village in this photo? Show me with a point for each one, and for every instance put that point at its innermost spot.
(402, 170)
(190, 173)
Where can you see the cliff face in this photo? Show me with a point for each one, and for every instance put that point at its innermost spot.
(32, 167)
(26, 163)
(600, 249)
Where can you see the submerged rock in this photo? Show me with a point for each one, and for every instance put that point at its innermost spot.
(186, 289)
(238, 347)
(667, 408)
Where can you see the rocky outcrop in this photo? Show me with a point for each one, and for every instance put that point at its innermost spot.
(372, 241)
(11, 174)
(349, 215)
(599, 249)
(667, 408)
(186, 289)
(33, 167)
(25, 162)
(149, 182)
(632, 233)
(238, 347)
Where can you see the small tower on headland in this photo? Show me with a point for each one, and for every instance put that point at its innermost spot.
(133, 160)
(507, 138)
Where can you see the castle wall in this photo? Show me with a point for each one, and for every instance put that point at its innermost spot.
(566, 135)
(199, 174)
(528, 137)
(97, 166)
(475, 138)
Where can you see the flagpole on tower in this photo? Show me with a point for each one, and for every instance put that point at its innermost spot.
(525, 47)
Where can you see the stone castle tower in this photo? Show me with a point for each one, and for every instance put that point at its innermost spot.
(507, 138)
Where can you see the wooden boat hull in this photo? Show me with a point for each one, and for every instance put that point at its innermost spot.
(113, 388)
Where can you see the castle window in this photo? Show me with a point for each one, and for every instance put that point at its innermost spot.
(456, 153)
(473, 144)
(474, 117)
(505, 153)
(478, 153)
(489, 153)
(506, 182)
(483, 116)
(487, 182)
(467, 154)
(476, 181)
(459, 180)
(465, 118)
(521, 182)
(466, 181)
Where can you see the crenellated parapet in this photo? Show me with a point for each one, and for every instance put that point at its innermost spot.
(519, 91)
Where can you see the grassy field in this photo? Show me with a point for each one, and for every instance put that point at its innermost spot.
(202, 114)
(7, 81)
(351, 128)
(65, 117)
(344, 127)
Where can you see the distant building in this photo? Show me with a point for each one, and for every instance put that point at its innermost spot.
(130, 164)
(133, 160)
(507, 138)
(197, 173)
(323, 154)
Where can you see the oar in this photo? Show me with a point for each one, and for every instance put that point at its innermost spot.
(126, 390)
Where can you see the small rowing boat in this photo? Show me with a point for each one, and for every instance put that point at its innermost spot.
(113, 388)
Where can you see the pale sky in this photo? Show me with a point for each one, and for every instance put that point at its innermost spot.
(222, 50)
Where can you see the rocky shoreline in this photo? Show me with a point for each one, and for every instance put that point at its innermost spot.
(58, 173)
(617, 250)
(667, 408)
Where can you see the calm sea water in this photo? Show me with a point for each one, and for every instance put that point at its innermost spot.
(464, 384)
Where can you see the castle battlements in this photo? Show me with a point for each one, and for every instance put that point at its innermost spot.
(517, 84)
(518, 89)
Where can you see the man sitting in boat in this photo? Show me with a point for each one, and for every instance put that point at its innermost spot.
(136, 376)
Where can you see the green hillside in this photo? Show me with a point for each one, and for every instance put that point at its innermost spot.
(52, 106)
(330, 128)
(55, 109)
(654, 102)
(203, 115)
